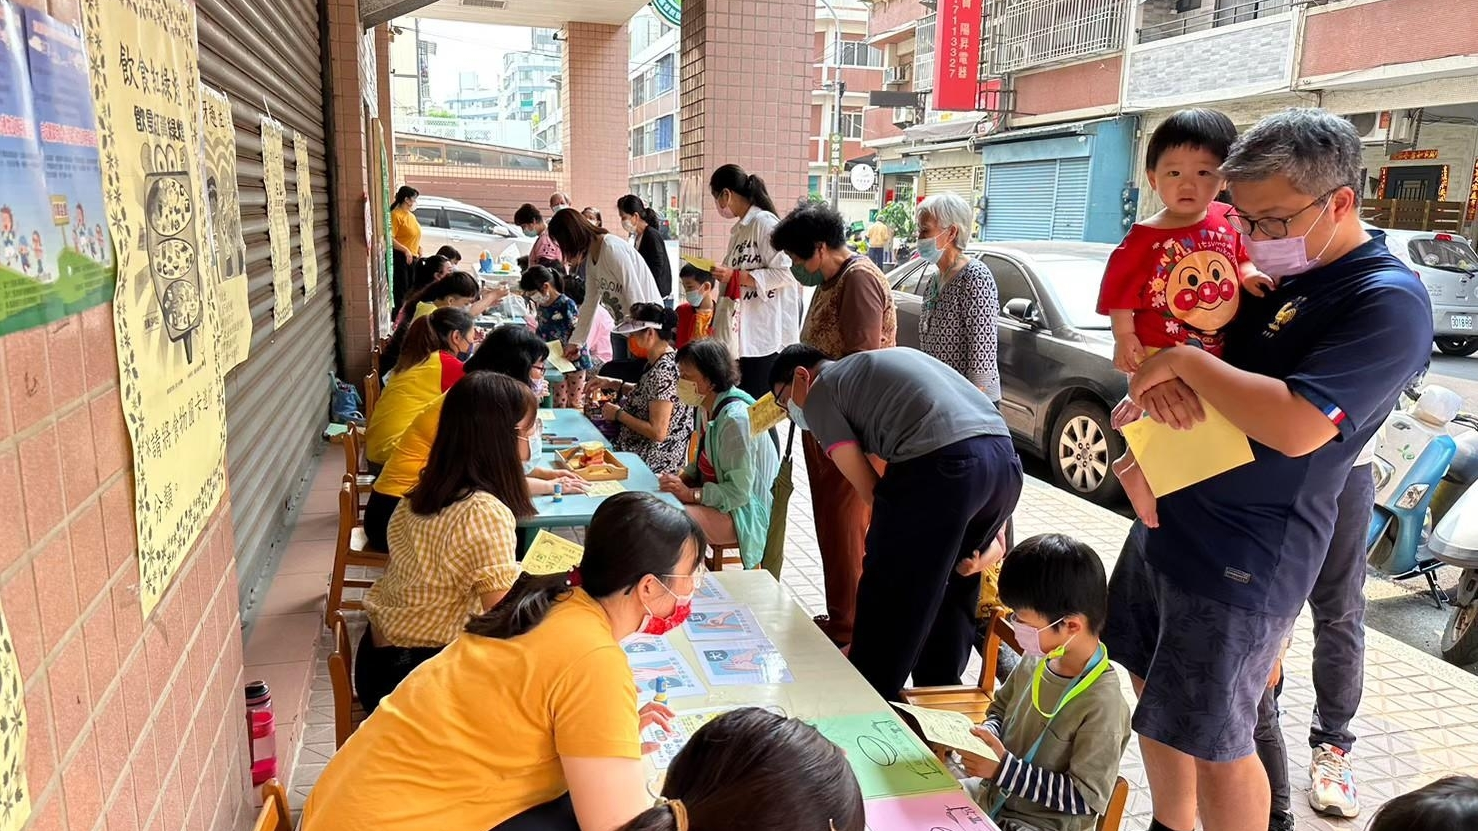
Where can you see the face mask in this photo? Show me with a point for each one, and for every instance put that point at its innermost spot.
(797, 415)
(929, 250)
(541, 389)
(696, 298)
(804, 277)
(1284, 257)
(627, 226)
(1031, 639)
(534, 442)
(725, 212)
(636, 349)
(653, 625)
(687, 393)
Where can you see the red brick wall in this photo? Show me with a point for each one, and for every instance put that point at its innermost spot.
(1387, 32)
(1092, 84)
(499, 195)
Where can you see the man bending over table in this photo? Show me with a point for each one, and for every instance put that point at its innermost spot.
(1199, 614)
(951, 481)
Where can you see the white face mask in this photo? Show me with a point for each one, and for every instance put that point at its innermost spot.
(628, 226)
(687, 393)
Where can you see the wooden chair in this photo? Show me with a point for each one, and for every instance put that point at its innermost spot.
(351, 549)
(972, 700)
(371, 394)
(375, 353)
(1113, 815)
(274, 815)
(347, 711)
(718, 557)
(354, 465)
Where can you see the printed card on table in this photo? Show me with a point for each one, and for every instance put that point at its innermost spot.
(683, 728)
(551, 554)
(886, 756)
(546, 416)
(711, 590)
(556, 357)
(733, 663)
(604, 488)
(648, 667)
(952, 811)
(718, 622)
(764, 414)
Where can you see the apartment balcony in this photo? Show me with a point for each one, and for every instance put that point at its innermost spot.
(1191, 51)
(1025, 34)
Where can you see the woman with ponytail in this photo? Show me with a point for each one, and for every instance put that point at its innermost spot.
(430, 362)
(751, 769)
(529, 719)
(645, 228)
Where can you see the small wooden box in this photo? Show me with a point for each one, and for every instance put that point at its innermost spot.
(613, 471)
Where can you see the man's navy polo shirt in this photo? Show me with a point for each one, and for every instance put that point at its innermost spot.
(1347, 337)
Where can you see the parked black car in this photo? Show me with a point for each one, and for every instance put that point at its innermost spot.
(1058, 382)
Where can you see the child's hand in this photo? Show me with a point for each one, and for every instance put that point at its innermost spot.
(1128, 353)
(1126, 412)
(1258, 284)
(979, 765)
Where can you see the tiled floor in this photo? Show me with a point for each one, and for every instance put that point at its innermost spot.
(1418, 722)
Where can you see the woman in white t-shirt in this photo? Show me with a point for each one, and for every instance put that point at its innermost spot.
(615, 274)
(770, 311)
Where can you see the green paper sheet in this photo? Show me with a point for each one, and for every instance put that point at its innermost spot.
(887, 757)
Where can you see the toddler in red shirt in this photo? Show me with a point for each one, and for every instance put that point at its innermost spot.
(1177, 277)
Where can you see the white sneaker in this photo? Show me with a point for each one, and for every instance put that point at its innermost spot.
(1333, 790)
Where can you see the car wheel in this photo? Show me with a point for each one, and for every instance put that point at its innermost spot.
(1459, 347)
(1081, 449)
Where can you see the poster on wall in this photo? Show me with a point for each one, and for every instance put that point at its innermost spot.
(146, 84)
(227, 245)
(306, 216)
(274, 177)
(26, 299)
(15, 802)
(389, 253)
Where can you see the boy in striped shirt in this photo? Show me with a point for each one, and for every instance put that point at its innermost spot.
(1059, 724)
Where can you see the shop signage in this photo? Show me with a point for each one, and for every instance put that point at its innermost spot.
(1413, 155)
(863, 177)
(1472, 211)
(957, 55)
(669, 10)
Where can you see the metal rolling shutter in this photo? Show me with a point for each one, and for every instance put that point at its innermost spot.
(266, 58)
(1036, 200)
(1071, 199)
(958, 180)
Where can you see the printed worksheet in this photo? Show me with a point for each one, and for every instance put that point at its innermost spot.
(711, 590)
(650, 665)
(604, 488)
(721, 621)
(683, 728)
(732, 663)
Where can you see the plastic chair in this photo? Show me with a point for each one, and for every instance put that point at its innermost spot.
(274, 815)
(351, 549)
(347, 711)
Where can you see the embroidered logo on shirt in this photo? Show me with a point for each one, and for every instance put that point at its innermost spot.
(1238, 575)
(1284, 316)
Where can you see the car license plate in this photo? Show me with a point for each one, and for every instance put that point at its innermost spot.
(1462, 321)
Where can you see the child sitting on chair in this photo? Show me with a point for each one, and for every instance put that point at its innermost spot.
(1060, 723)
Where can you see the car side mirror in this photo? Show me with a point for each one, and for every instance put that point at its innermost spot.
(1023, 310)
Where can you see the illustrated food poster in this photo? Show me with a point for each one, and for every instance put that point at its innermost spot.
(146, 86)
(15, 803)
(228, 247)
(305, 214)
(55, 254)
(274, 177)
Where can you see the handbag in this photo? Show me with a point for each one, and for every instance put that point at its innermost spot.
(725, 325)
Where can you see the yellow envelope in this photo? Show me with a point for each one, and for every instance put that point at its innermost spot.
(1173, 459)
(551, 554)
(556, 357)
(700, 263)
(764, 414)
(950, 729)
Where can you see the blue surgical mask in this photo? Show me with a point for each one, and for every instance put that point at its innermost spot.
(929, 250)
(695, 298)
(797, 415)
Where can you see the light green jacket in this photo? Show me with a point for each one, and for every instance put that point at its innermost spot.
(745, 468)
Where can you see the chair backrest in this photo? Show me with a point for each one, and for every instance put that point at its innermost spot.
(1114, 814)
(353, 461)
(998, 632)
(348, 510)
(339, 662)
(375, 353)
(274, 815)
(371, 393)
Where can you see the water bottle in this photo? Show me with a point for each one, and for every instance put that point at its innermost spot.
(261, 725)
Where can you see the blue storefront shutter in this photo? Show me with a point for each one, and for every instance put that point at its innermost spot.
(1072, 199)
(1019, 200)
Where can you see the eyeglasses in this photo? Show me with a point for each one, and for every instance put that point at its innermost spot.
(698, 573)
(536, 371)
(1272, 227)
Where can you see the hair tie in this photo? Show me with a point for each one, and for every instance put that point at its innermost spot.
(679, 814)
(574, 580)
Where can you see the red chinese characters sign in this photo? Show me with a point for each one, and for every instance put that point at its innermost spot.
(957, 55)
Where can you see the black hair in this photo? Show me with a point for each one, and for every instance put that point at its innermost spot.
(751, 768)
(793, 357)
(713, 361)
(456, 284)
(573, 233)
(476, 446)
(631, 205)
(1055, 576)
(404, 195)
(527, 214)
(430, 334)
(731, 177)
(631, 535)
(659, 314)
(1197, 127)
(511, 349)
(450, 253)
(693, 272)
(808, 226)
(523, 263)
(534, 279)
(426, 270)
(592, 209)
(1445, 805)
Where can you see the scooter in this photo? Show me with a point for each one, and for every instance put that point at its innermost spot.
(1454, 542)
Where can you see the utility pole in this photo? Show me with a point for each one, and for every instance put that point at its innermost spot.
(839, 87)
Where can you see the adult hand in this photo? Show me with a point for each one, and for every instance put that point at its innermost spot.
(982, 560)
(608, 411)
(571, 483)
(1125, 413)
(572, 351)
(722, 273)
(671, 483)
(659, 715)
(1153, 371)
(1173, 403)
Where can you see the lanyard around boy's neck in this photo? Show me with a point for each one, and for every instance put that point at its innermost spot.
(1095, 669)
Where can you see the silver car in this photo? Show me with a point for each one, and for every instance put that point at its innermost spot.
(1058, 382)
(1448, 268)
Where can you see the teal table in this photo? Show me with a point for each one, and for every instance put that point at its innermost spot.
(570, 424)
(575, 510)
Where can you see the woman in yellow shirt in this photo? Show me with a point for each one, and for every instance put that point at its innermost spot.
(427, 367)
(533, 709)
(405, 237)
(453, 547)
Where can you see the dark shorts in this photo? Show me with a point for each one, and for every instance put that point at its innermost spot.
(1205, 664)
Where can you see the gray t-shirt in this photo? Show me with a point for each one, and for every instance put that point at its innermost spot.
(897, 404)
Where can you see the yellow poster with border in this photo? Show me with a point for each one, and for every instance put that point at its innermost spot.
(228, 246)
(279, 236)
(304, 183)
(15, 801)
(146, 85)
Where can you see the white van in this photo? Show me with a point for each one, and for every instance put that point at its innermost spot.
(1448, 268)
(467, 228)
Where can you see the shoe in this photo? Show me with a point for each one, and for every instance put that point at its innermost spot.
(1283, 822)
(1333, 790)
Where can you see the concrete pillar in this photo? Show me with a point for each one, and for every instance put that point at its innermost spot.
(596, 100)
(747, 76)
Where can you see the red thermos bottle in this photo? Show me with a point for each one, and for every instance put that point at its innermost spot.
(262, 726)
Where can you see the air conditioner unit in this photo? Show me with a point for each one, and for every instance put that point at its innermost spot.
(896, 74)
(905, 117)
(1385, 127)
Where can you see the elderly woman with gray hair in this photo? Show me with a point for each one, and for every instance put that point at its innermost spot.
(958, 323)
